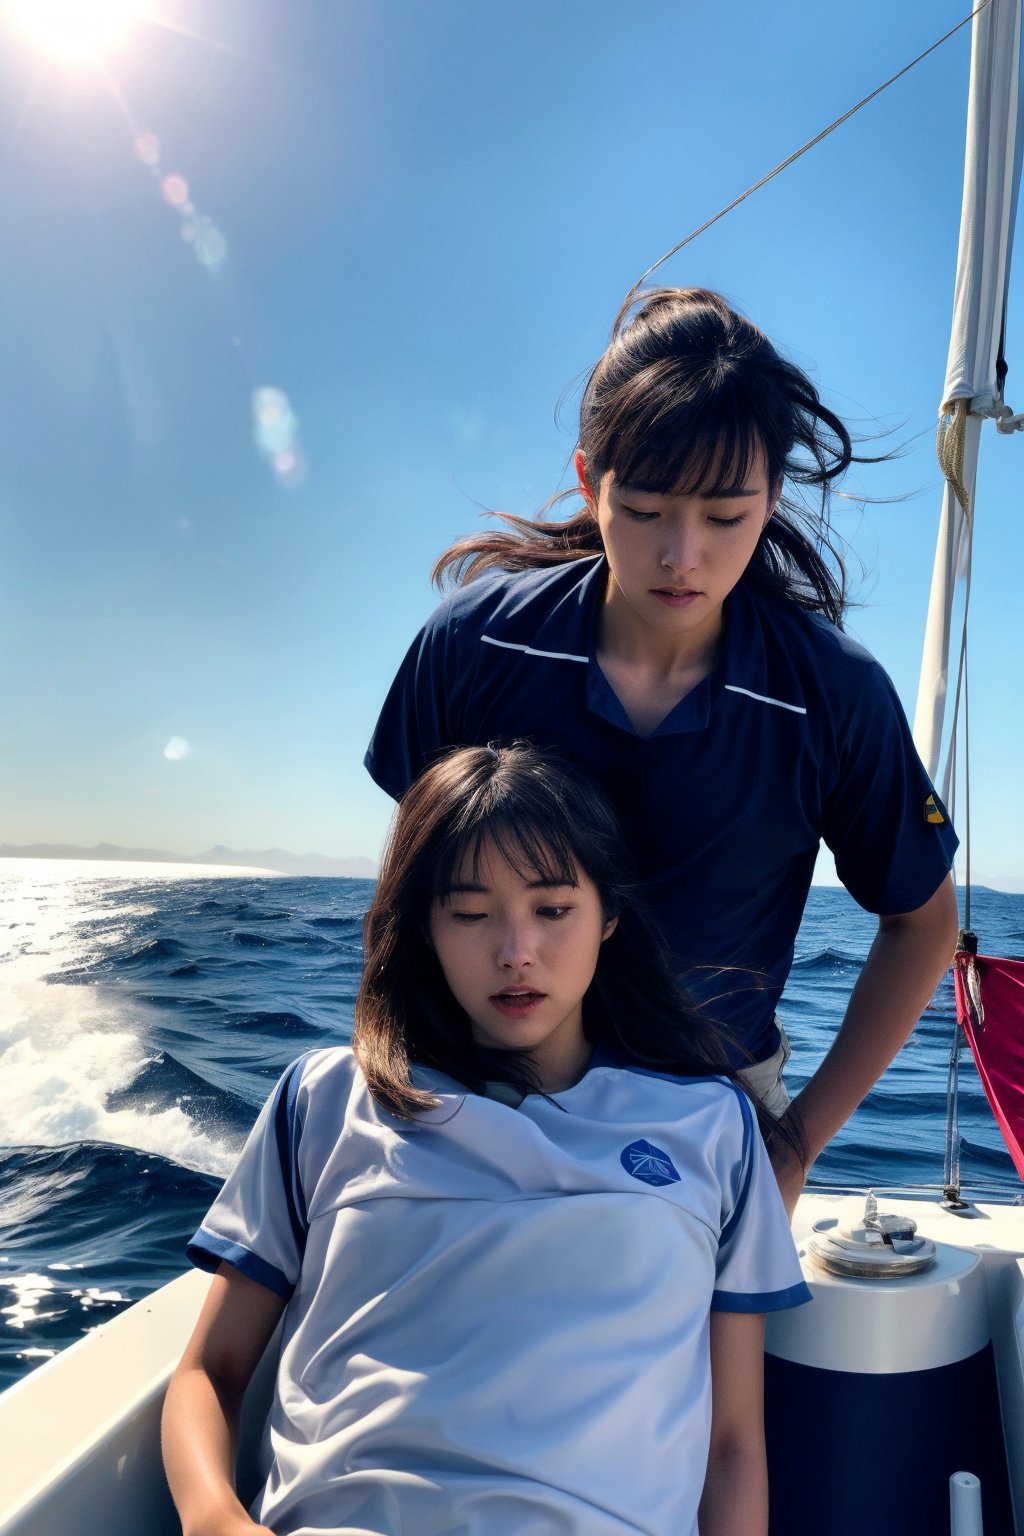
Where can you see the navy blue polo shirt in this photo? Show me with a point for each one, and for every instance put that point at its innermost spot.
(796, 736)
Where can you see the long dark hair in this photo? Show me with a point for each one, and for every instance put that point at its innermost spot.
(549, 822)
(686, 396)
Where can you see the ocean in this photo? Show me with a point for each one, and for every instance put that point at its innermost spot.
(146, 1013)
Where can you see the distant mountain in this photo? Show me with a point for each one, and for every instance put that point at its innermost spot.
(278, 859)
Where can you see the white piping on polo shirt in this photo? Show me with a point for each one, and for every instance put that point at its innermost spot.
(762, 698)
(529, 650)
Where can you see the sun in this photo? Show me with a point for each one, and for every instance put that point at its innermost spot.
(73, 30)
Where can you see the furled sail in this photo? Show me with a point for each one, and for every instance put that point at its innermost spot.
(975, 371)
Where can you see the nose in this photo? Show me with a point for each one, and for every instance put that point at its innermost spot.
(515, 951)
(681, 551)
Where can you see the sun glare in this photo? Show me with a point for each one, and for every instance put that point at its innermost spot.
(73, 30)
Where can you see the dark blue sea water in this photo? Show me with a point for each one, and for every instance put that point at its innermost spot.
(145, 1019)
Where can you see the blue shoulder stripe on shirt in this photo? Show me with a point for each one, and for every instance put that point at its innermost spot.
(761, 1301)
(286, 1133)
(207, 1250)
(746, 1166)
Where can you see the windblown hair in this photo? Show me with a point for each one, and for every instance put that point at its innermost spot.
(686, 396)
(550, 823)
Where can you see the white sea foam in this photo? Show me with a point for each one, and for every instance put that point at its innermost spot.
(63, 1053)
(64, 1050)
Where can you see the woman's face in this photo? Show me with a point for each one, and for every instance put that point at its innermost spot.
(674, 559)
(518, 955)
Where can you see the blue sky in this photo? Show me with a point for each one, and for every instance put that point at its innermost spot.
(418, 221)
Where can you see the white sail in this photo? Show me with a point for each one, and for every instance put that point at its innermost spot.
(992, 171)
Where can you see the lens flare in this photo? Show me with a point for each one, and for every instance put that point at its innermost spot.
(147, 148)
(289, 468)
(274, 422)
(275, 430)
(175, 190)
(73, 30)
(198, 230)
(210, 246)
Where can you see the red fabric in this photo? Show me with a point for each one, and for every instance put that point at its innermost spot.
(999, 1047)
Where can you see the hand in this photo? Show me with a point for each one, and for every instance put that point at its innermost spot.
(790, 1173)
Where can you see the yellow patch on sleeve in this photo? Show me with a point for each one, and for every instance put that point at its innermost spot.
(932, 812)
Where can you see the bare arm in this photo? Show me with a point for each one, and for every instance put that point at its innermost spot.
(735, 1497)
(903, 968)
(200, 1420)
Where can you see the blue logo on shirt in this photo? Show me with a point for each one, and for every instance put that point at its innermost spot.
(648, 1163)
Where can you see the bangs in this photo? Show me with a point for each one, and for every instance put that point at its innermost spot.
(536, 851)
(668, 437)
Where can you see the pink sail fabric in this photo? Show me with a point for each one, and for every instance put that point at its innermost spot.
(996, 1037)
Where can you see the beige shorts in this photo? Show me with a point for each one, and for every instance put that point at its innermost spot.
(764, 1078)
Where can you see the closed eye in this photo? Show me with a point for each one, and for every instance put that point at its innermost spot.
(728, 522)
(639, 517)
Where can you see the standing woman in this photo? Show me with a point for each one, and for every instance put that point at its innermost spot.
(681, 636)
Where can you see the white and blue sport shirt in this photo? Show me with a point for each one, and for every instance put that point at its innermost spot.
(498, 1318)
(796, 737)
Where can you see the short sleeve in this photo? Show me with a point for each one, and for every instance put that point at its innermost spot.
(415, 723)
(258, 1221)
(757, 1269)
(890, 834)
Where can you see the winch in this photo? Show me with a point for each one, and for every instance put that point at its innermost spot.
(878, 1245)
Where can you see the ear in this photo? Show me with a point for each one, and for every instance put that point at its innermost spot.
(609, 928)
(774, 496)
(581, 475)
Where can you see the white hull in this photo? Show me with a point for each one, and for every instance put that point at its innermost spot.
(80, 1435)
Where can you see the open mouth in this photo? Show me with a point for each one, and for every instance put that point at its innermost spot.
(516, 1004)
(675, 597)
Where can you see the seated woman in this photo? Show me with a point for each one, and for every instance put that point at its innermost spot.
(524, 1232)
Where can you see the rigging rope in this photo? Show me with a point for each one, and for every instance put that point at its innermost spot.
(783, 165)
(950, 444)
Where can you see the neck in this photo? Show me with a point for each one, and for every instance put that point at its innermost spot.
(564, 1068)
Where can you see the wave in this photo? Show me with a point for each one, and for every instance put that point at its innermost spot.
(68, 1058)
(827, 956)
(277, 1024)
(301, 941)
(156, 949)
(88, 1230)
(163, 1083)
